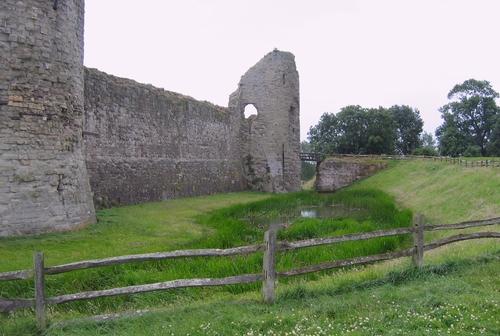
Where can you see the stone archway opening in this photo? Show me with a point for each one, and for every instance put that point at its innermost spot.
(250, 110)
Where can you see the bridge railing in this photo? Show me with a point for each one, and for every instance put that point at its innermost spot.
(316, 157)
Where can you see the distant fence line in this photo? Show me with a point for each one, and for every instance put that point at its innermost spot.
(268, 276)
(458, 161)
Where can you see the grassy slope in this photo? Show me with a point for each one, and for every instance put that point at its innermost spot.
(166, 225)
(457, 290)
(444, 193)
(448, 298)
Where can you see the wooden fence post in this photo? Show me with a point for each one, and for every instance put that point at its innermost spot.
(269, 266)
(418, 240)
(41, 315)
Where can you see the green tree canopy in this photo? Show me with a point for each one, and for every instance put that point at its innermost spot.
(428, 146)
(470, 120)
(409, 126)
(358, 130)
(355, 130)
(427, 140)
(323, 136)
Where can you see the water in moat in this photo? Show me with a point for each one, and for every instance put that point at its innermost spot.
(330, 211)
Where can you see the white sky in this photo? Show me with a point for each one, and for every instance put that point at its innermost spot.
(348, 52)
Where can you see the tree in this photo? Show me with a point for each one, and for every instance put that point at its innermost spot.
(469, 119)
(351, 130)
(354, 130)
(409, 126)
(380, 132)
(307, 169)
(493, 147)
(305, 147)
(427, 140)
(322, 137)
(428, 146)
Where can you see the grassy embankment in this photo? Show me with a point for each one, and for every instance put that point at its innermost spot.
(456, 291)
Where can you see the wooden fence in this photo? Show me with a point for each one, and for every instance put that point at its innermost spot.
(268, 276)
(458, 161)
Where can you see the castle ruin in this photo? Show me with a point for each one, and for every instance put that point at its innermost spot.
(73, 138)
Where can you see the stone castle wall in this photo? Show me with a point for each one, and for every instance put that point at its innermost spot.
(44, 185)
(71, 137)
(272, 138)
(333, 174)
(146, 144)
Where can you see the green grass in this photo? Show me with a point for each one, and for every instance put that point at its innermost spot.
(455, 292)
(443, 193)
(226, 228)
(141, 228)
(453, 297)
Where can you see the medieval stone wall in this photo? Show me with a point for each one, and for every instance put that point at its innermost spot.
(71, 136)
(272, 138)
(146, 144)
(43, 179)
(333, 174)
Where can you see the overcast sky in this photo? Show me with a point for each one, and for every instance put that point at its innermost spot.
(348, 52)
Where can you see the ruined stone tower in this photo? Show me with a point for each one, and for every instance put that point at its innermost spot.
(271, 139)
(44, 185)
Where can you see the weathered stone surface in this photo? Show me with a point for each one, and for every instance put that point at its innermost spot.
(146, 144)
(333, 174)
(70, 137)
(43, 179)
(271, 139)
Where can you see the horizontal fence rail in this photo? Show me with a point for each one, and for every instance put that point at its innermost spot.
(153, 256)
(283, 246)
(270, 247)
(345, 262)
(233, 280)
(17, 275)
(493, 162)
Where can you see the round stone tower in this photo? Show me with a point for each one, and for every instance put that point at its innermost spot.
(44, 185)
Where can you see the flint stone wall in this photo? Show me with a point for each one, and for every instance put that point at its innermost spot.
(43, 180)
(271, 139)
(146, 144)
(71, 137)
(332, 175)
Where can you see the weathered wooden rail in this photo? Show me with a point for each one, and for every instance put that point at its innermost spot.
(268, 276)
